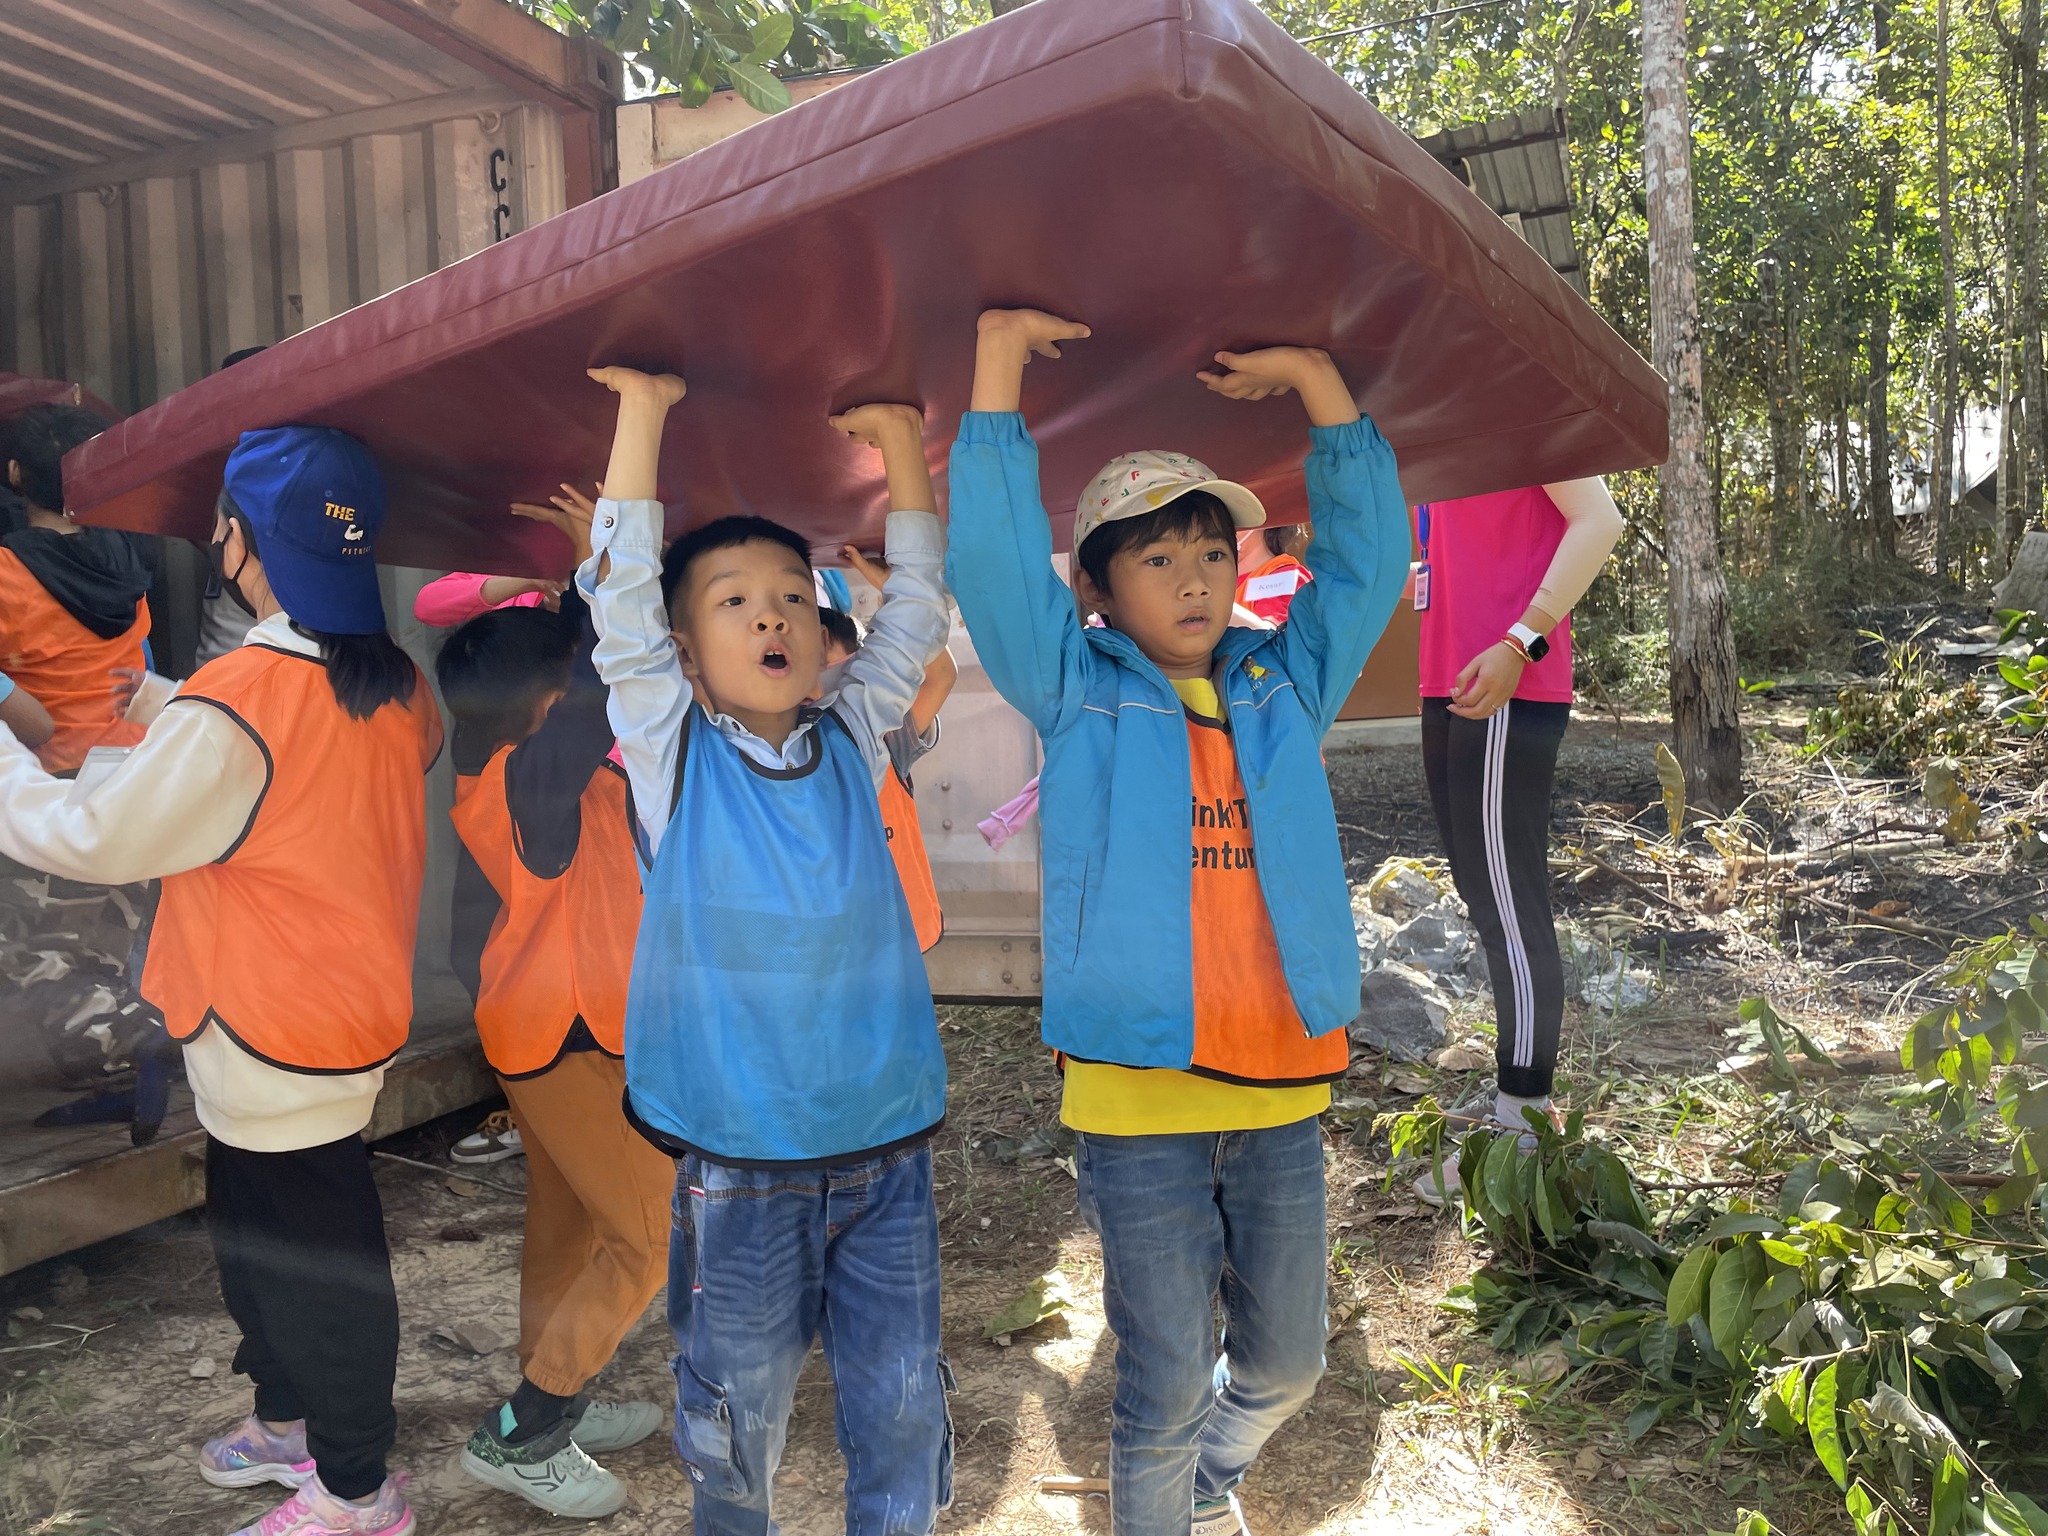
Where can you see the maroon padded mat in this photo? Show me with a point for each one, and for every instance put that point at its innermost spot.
(1179, 174)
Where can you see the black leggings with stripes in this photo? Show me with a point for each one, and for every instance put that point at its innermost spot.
(1490, 783)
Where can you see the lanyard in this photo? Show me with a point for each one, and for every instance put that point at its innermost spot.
(1422, 528)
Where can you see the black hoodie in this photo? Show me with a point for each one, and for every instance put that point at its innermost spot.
(97, 574)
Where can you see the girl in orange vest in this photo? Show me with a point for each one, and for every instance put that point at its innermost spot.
(71, 598)
(279, 794)
(545, 942)
(917, 736)
(1270, 570)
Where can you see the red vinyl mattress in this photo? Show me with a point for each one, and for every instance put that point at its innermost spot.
(1179, 174)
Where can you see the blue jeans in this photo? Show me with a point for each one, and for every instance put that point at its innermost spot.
(763, 1261)
(1184, 1219)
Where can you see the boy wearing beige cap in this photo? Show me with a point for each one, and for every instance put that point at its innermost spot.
(1200, 963)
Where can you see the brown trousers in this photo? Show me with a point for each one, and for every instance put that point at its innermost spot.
(597, 1219)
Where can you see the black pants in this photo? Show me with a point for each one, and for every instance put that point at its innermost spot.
(299, 1238)
(1490, 783)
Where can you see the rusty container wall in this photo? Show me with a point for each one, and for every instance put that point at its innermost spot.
(138, 288)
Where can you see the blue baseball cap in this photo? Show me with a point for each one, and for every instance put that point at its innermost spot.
(315, 498)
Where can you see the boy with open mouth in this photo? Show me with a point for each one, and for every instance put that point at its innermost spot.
(780, 1037)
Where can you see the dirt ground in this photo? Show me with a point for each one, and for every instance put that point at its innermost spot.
(106, 1401)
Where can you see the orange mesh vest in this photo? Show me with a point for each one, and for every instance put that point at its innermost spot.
(298, 940)
(63, 665)
(1246, 1029)
(913, 865)
(561, 947)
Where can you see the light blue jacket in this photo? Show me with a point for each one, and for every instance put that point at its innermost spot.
(1113, 796)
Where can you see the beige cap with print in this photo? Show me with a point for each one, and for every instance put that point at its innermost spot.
(1135, 483)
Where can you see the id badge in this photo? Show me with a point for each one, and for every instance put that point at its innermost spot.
(1421, 585)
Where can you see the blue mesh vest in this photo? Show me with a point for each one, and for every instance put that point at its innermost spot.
(779, 1010)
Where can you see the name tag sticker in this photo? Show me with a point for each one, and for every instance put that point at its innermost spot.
(1421, 584)
(1279, 584)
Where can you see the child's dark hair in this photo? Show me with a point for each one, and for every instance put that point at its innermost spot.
(366, 672)
(723, 533)
(1196, 515)
(37, 439)
(1291, 539)
(840, 630)
(495, 670)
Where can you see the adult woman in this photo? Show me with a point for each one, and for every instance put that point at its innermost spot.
(1496, 585)
(279, 795)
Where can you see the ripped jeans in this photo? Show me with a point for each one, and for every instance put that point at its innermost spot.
(761, 1262)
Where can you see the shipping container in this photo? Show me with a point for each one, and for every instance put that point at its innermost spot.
(182, 179)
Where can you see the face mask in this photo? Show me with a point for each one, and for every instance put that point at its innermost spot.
(218, 580)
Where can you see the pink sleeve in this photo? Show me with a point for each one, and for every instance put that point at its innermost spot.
(452, 600)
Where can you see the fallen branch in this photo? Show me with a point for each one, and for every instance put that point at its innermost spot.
(1074, 1485)
(1758, 1064)
(1905, 925)
(1649, 893)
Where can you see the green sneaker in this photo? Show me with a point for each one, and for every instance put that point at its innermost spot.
(601, 1425)
(551, 1471)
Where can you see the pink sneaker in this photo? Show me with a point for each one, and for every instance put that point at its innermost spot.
(313, 1511)
(250, 1454)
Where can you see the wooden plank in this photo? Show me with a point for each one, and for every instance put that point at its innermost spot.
(62, 1189)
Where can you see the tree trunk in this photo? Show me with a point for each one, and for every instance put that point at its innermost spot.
(936, 24)
(1941, 492)
(2012, 458)
(1778, 413)
(2034, 429)
(1705, 721)
(1877, 418)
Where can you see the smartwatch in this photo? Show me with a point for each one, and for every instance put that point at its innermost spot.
(1533, 645)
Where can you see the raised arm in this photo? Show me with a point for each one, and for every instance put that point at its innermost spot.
(635, 654)
(940, 673)
(1359, 556)
(1027, 631)
(910, 628)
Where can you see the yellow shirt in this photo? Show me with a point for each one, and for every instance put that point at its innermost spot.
(1158, 1101)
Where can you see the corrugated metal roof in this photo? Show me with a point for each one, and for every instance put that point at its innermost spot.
(1520, 167)
(87, 83)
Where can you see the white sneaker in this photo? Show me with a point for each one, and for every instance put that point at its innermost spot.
(551, 1472)
(608, 1426)
(1219, 1517)
(492, 1142)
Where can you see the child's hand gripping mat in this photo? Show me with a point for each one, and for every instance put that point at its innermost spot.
(1178, 174)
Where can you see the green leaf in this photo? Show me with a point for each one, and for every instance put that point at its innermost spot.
(757, 87)
(1658, 1345)
(1824, 1429)
(1644, 1419)
(1689, 1286)
(1785, 1253)
(1671, 780)
(1729, 1309)
(1548, 1211)
(2014, 1195)
(1792, 1388)
(771, 36)
(1951, 1487)
(1782, 1287)
(1043, 1298)
(1498, 1174)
